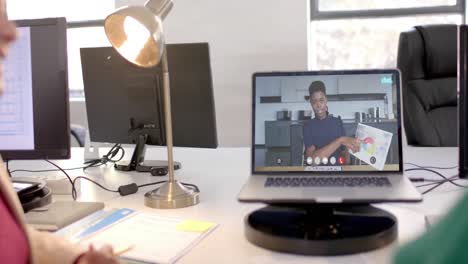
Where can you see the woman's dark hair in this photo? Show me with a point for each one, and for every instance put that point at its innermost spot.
(317, 86)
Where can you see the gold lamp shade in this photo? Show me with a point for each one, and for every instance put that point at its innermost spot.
(137, 34)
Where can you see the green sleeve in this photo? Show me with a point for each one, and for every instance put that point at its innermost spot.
(446, 242)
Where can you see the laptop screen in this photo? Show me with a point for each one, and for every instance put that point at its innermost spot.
(333, 121)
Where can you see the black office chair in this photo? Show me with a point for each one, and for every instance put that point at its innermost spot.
(79, 133)
(427, 59)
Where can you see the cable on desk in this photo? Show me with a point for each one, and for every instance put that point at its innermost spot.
(50, 170)
(439, 183)
(431, 167)
(436, 184)
(192, 186)
(131, 188)
(432, 188)
(113, 152)
(437, 173)
(122, 190)
(108, 157)
(453, 178)
(95, 182)
(92, 163)
(68, 176)
(413, 179)
(72, 182)
(151, 183)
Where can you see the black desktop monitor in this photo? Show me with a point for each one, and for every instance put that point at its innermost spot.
(463, 99)
(124, 101)
(34, 115)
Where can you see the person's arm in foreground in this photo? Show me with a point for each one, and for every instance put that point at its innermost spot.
(48, 248)
(445, 242)
(326, 151)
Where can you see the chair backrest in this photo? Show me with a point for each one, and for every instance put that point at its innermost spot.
(427, 59)
(79, 133)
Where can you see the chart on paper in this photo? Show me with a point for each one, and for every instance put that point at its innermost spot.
(375, 144)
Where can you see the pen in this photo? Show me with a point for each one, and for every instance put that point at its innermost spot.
(123, 249)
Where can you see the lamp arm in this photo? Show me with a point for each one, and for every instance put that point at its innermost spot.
(160, 7)
(168, 116)
(164, 63)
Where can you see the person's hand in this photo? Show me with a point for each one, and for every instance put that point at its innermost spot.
(354, 144)
(103, 255)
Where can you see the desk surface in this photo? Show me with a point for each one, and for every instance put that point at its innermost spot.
(220, 174)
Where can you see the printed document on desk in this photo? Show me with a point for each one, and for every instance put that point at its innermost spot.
(154, 239)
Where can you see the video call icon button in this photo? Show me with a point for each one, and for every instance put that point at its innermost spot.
(325, 160)
(341, 160)
(317, 161)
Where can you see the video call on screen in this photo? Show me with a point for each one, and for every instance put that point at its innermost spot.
(292, 125)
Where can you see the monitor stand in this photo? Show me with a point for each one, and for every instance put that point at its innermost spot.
(321, 229)
(138, 163)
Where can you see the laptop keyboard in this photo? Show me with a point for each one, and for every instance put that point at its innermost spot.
(330, 181)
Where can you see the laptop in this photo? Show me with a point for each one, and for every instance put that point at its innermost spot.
(327, 137)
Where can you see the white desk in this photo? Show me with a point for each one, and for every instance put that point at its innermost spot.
(220, 173)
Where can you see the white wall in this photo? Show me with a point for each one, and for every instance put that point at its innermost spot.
(245, 36)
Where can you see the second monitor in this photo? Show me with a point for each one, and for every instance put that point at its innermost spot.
(124, 102)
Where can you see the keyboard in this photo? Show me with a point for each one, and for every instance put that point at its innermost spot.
(329, 181)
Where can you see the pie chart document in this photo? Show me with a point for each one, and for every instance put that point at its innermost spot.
(375, 144)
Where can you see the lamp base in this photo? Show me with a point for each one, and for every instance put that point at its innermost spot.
(171, 195)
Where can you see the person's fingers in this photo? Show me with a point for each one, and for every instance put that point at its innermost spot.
(102, 255)
(107, 250)
(355, 148)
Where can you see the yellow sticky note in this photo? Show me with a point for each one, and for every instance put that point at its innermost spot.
(194, 226)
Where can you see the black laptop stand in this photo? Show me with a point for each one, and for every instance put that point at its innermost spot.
(321, 229)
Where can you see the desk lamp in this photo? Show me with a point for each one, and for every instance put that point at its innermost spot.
(136, 32)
